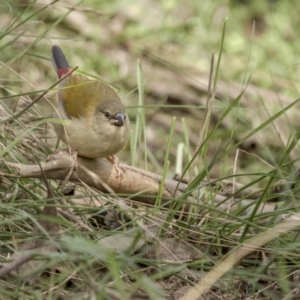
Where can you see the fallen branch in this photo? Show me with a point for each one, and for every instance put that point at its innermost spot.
(142, 185)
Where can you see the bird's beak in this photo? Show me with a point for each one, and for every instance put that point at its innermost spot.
(118, 120)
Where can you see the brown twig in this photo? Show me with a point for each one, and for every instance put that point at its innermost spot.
(142, 185)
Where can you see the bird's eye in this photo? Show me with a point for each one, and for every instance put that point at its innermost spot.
(107, 114)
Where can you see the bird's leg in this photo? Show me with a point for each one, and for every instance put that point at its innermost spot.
(115, 161)
(73, 166)
(74, 155)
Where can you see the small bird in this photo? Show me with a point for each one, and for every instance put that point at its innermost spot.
(97, 124)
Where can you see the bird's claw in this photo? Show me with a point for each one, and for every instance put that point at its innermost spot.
(115, 161)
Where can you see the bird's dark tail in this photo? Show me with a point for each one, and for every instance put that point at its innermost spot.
(59, 61)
